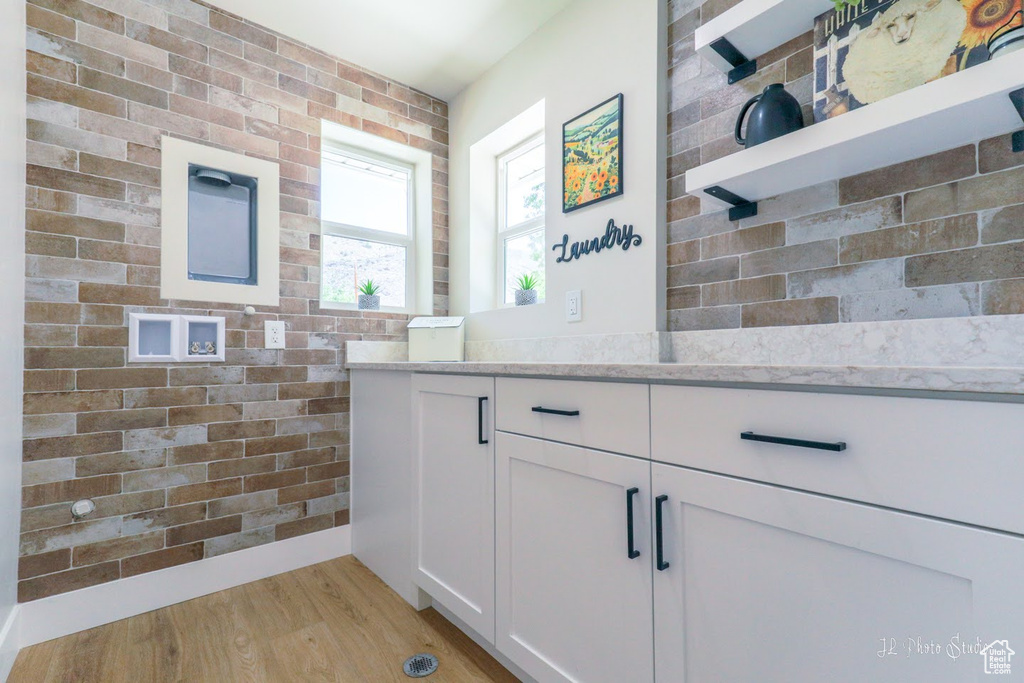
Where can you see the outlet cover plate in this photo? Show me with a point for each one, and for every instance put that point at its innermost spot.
(273, 334)
(574, 306)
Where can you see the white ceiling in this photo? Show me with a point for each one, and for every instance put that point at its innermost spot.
(437, 46)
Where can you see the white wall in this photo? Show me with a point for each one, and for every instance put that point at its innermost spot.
(584, 55)
(12, 295)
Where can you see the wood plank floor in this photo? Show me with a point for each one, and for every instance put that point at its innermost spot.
(334, 621)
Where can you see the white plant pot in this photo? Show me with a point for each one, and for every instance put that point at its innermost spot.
(526, 297)
(369, 302)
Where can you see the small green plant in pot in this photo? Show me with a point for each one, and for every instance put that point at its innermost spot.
(526, 292)
(368, 297)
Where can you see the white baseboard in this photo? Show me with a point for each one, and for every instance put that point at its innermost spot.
(9, 643)
(68, 613)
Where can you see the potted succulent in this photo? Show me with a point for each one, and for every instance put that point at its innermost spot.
(526, 293)
(368, 298)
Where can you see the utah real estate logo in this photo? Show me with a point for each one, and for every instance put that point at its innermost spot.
(997, 656)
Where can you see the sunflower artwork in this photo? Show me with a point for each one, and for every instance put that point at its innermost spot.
(867, 50)
(592, 156)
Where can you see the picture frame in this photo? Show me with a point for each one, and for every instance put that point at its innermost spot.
(592, 163)
(868, 51)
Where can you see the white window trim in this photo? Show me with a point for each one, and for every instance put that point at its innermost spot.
(504, 231)
(176, 155)
(408, 241)
(337, 135)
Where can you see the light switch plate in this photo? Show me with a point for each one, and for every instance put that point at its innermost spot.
(273, 334)
(574, 306)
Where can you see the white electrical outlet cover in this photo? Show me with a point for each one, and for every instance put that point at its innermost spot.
(574, 306)
(273, 334)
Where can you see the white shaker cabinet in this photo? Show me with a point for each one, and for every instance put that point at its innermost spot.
(749, 535)
(574, 599)
(453, 495)
(762, 583)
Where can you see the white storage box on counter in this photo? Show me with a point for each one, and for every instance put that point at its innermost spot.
(437, 339)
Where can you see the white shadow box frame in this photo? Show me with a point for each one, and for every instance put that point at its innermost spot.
(175, 283)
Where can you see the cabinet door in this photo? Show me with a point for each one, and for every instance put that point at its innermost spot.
(571, 602)
(770, 584)
(453, 490)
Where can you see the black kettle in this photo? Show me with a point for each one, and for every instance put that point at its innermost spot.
(777, 113)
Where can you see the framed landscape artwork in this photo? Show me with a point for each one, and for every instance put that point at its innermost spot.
(592, 156)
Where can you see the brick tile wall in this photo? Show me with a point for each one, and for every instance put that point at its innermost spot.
(184, 462)
(941, 236)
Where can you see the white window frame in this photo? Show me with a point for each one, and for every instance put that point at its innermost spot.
(408, 241)
(507, 232)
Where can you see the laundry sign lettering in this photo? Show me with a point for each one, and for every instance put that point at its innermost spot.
(613, 236)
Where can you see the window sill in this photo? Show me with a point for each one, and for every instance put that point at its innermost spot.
(501, 307)
(333, 306)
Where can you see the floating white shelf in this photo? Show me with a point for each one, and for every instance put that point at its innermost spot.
(964, 107)
(754, 27)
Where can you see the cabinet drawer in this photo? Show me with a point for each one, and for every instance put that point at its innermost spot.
(604, 415)
(960, 460)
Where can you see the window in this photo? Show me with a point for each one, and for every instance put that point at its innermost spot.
(367, 216)
(521, 217)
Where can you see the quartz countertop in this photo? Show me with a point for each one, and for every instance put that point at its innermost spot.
(982, 356)
(1008, 381)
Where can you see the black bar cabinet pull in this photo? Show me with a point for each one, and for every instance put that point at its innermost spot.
(631, 552)
(800, 443)
(552, 411)
(659, 533)
(480, 421)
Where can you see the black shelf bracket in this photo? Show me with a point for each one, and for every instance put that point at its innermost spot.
(1017, 97)
(741, 208)
(741, 66)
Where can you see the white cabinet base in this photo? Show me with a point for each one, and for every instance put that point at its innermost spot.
(486, 645)
(381, 497)
(771, 584)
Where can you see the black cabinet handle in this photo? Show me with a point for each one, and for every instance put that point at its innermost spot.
(801, 443)
(552, 411)
(631, 552)
(480, 421)
(659, 533)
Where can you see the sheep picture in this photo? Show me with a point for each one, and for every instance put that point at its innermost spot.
(909, 44)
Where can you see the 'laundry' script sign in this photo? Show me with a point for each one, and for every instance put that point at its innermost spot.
(613, 236)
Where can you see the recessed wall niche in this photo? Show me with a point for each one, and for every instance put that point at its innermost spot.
(202, 339)
(220, 231)
(162, 338)
(153, 338)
